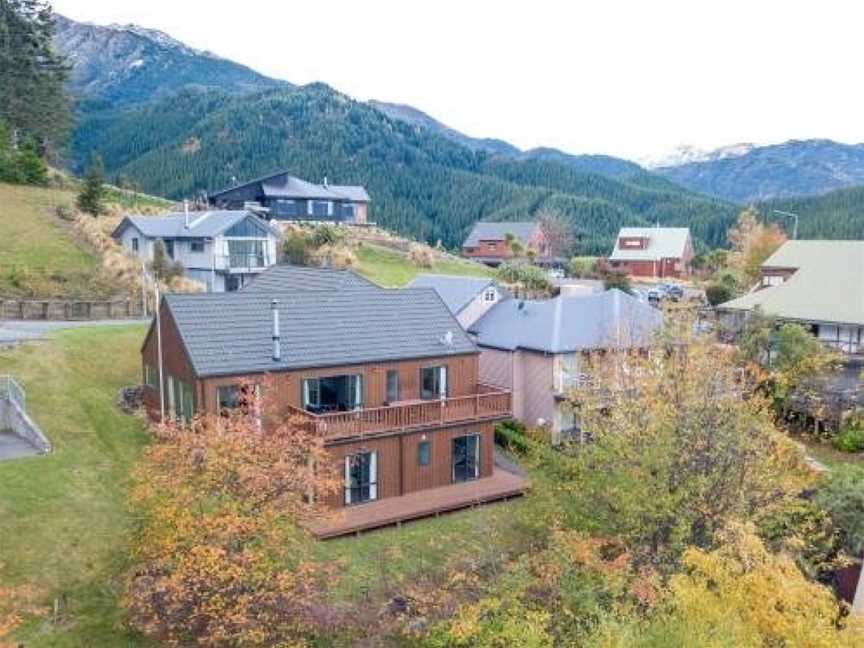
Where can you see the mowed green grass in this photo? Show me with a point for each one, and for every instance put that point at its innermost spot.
(31, 236)
(64, 525)
(391, 269)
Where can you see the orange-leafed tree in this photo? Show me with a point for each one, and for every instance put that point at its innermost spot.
(220, 557)
(752, 243)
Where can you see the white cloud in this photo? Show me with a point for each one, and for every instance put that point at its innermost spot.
(627, 78)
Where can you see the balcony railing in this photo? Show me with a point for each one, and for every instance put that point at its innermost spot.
(243, 262)
(487, 403)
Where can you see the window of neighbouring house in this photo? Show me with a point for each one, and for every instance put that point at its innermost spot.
(320, 208)
(466, 458)
(361, 477)
(196, 246)
(392, 386)
(423, 453)
(181, 403)
(151, 376)
(348, 211)
(490, 295)
(169, 248)
(135, 244)
(284, 208)
(433, 382)
(235, 396)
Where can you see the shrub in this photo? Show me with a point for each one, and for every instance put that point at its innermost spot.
(530, 277)
(850, 439)
(717, 293)
(511, 435)
(421, 255)
(338, 257)
(64, 212)
(296, 248)
(326, 234)
(580, 267)
(617, 280)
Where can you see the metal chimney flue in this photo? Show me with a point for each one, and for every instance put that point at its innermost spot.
(186, 213)
(277, 339)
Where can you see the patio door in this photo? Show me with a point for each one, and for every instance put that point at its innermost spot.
(466, 458)
(361, 477)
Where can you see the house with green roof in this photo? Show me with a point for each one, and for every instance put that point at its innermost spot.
(817, 283)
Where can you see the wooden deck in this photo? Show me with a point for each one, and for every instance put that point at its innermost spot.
(425, 503)
(488, 403)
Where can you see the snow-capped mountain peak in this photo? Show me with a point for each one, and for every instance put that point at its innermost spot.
(686, 154)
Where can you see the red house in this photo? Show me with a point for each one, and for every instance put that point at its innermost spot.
(655, 252)
(487, 242)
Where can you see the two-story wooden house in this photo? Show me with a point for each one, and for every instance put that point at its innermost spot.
(286, 197)
(653, 252)
(387, 376)
(487, 242)
(223, 250)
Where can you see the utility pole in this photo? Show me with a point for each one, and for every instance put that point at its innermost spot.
(159, 351)
(795, 227)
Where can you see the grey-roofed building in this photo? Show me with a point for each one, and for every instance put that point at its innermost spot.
(816, 283)
(468, 298)
(535, 348)
(487, 241)
(655, 252)
(221, 249)
(287, 197)
(287, 277)
(388, 378)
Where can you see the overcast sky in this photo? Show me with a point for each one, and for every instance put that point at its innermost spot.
(628, 78)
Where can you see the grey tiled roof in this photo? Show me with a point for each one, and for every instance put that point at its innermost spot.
(498, 232)
(457, 292)
(230, 333)
(283, 185)
(611, 319)
(292, 277)
(205, 224)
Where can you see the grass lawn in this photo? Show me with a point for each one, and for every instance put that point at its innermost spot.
(391, 269)
(391, 557)
(31, 236)
(63, 517)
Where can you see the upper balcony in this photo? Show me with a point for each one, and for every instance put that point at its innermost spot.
(486, 404)
(244, 263)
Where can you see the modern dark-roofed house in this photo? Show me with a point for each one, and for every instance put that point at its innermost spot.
(468, 298)
(487, 242)
(538, 349)
(286, 197)
(221, 249)
(388, 377)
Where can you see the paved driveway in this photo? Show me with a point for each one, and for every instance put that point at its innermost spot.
(14, 331)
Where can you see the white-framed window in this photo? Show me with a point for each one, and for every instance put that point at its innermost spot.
(135, 244)
(490, 295)
(361, 477)
(433, 382)
(320, 208)
(196, 245)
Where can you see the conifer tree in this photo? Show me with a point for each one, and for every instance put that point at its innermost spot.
(93, 192)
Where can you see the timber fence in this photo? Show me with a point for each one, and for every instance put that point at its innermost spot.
(70, 309)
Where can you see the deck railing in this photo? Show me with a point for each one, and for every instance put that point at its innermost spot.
(487, 402)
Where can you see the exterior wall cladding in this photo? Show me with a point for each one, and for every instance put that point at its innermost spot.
(399, 471)
(665, 268)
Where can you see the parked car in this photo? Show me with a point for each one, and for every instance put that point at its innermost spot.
(674, 292)
(556, 273)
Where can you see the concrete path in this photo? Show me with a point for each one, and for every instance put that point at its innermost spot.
(12, 446)
(13, 332)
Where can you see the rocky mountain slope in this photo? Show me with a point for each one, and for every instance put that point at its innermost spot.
(117, 65)
(795, 168)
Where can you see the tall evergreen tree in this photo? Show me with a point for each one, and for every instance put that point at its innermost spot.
(93, 192)
(33, 102)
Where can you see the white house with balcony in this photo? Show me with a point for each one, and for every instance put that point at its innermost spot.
(224, 250)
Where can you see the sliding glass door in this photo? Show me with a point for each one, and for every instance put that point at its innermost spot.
(466, 458)
(361, 477)
(333, 394)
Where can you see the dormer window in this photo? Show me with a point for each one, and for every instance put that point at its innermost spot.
(490, 295)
